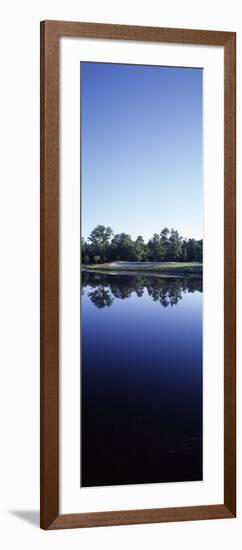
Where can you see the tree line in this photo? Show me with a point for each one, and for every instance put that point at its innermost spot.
(104, 246)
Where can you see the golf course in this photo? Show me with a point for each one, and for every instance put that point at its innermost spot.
(166, 268)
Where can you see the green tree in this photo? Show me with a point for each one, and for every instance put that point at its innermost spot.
(102, 246)
(154, 249)
(184, 250)
(99, 240)
(198, 255)
(164, 243)
(100, 235)
(191, 250)
(175, 246)
(123, 247)
(97, 259)
(140, 249)
(84, 250)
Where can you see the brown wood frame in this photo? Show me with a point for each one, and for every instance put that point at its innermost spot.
(51, 32)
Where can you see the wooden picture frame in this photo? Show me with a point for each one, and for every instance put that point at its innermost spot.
(51, 32)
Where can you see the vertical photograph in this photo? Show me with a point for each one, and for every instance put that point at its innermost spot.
(141, 272)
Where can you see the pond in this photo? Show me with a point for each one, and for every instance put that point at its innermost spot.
(141, 373)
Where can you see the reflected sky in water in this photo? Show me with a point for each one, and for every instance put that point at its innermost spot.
(141, 379)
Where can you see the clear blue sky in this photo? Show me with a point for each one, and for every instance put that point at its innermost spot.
(141, 152)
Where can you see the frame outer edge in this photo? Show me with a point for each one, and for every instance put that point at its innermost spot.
(49, 278)
(136, 32)
(230, 274)
(139, 517)
(51, 31)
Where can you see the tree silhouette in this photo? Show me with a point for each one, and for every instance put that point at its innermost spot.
(103, 289)
(103, 246)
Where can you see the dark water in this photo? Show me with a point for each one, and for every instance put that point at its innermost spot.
(141, 379)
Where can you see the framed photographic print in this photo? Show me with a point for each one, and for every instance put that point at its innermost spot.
(137, 275)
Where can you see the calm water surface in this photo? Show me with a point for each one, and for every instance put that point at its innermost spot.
(141, 379)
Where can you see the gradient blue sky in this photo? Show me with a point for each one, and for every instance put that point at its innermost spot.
(141, 152)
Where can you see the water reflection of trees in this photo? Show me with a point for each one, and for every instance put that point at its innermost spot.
(165, 290)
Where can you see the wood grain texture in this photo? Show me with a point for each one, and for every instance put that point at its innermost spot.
(130, 517)
(51, 32)
(132, 32)
(49, 279)
(230, 274)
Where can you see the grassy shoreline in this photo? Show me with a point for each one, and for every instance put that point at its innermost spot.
(166, 268)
